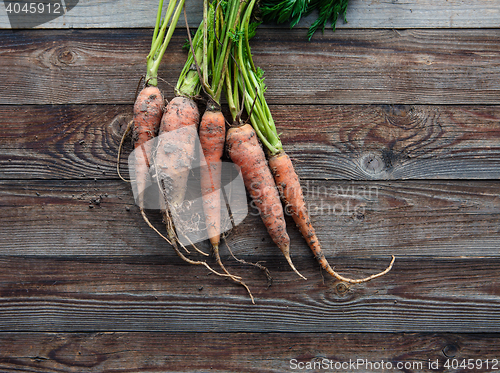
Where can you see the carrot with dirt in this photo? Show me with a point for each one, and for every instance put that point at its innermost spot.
(148, 114)
(149, 104)
(212, 131)
(291, 192)
(175, 149)
(252, 86)
(217, 44)
(212, 61)
(246, 152)
(175, 153)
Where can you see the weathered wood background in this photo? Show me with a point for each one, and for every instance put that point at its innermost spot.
(393, 123)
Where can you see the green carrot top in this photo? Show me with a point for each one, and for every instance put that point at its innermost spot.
(292, 11)
(247, 80)
(188, 83)
(161, 40)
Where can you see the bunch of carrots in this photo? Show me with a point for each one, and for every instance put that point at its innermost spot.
(219, 61)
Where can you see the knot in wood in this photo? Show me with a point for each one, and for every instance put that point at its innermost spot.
(373, 163)
(450, 350)
(342, 288)
(66, 56)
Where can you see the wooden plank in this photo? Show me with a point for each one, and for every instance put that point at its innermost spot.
(362, 142)
(348, 67)
(63, 142)
(392, 141)
(149, 294)
(374, 14)
(352, 219)
(241, 352)
(381, 66)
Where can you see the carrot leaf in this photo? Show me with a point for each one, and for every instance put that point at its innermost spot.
(161, 40)
(291, 11)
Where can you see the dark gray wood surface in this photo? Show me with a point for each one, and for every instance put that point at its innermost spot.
(373, 14)
(361, 66)
(350, 142)
(239, 352)
(393, 124)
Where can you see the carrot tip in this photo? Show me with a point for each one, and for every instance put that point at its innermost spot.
(289, 260)
(236, 279)
(127, 131)
(359, 281)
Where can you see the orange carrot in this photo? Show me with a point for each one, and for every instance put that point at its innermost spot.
(212, 136)
(212, 130)
(252, 87)
(148, 111)
(175, 148)
(149, 104)
(178, 132)
(246, 152)
(291, 193)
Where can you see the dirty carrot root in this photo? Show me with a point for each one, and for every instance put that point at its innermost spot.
(291, 193)
(212, 138)
(212, 129)
(246, 152)
(175, 152)
(176, 147)
(148, 111)
(212, 134)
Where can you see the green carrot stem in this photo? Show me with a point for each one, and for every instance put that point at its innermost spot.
(160, 40)
(230, 95)
(253, 88)
(229, 32)
(189, 82)
(205, 45)
(157, 25)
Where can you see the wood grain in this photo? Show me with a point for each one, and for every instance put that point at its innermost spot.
(357, 220)
(363, 142)
(348, 67)
(238, 352)
(374, 14)
(55, 294)
(393, 123)
(392, 141)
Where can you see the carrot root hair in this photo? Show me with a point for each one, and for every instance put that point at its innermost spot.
(288, 185)
(146, 219)
(361, 280)
(173, 239)
(125, 134)
(289, 260)
(236, 279)
(257, 264)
